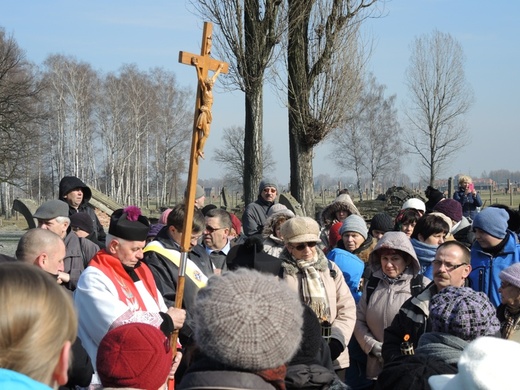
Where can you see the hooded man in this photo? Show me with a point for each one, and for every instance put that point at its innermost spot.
(77, 195)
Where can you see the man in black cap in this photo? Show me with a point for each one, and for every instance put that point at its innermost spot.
(77, 195)
(117, 288)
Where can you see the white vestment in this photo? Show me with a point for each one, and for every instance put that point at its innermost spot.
(100, 309)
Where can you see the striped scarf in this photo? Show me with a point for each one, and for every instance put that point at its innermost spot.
(313, 289)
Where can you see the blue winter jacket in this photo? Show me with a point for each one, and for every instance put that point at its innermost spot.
(352, 268)
(485, 268)
(13, 380)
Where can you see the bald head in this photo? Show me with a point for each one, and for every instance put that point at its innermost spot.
(42, 248)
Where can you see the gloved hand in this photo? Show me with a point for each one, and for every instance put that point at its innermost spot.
(377, 349)
(336, 348)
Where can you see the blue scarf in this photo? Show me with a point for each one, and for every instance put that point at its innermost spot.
(426, 254)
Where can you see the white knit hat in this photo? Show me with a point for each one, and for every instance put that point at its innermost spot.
(414, 203)
(486, 363)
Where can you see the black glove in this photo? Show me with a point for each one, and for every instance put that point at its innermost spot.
(336, 348)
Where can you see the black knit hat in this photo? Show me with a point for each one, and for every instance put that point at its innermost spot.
(412, 372)
(82, 221)
(381, 221)
(129, 224)
(434, 196)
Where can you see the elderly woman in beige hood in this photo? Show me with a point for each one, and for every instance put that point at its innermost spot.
(395, 267)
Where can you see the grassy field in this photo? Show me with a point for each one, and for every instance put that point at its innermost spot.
(17, 221)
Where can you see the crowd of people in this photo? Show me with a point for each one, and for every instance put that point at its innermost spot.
(272, 301)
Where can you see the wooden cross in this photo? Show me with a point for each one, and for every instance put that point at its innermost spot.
(201, 121)
(201, 125)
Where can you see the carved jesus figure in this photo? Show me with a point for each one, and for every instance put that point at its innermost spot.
(204, 119)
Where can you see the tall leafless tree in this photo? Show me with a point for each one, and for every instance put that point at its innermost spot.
(231, 155)
(70, 95)
(171, 134)
(249, 29)
(370, 144)
(439, 97)
(19, 118)
(19, 94)
(324, 73)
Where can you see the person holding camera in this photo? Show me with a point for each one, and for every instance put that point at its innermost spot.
(468, 197)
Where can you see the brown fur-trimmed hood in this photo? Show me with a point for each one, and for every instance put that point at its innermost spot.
(342, 202)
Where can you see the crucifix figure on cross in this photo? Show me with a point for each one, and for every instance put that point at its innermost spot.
(203, 63)
(205, 117)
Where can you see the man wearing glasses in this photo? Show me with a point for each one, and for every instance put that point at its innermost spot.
(215, 238)
(255, 214)
(451, 267)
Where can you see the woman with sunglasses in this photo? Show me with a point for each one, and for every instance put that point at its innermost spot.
(321, 286)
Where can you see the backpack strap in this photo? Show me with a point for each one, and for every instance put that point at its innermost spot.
(416, 285)
(371, 286)
(332, 271)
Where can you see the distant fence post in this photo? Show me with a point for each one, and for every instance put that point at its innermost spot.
(510, 190)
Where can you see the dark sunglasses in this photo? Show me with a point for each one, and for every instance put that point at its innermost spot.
(304, 245)
(210, 229)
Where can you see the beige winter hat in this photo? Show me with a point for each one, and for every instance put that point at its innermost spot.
(300, 229)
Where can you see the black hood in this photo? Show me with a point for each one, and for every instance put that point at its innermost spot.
(68, 183)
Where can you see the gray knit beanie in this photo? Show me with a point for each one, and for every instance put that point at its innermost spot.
(279, 208)
(266, 183)
(248, 320)
(354, 223)
(511, 275)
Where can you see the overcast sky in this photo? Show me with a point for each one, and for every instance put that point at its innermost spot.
(110, 33)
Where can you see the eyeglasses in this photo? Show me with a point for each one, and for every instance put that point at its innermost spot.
(448, 267)
(505, 285)
(304, 245)
(212, 229)
(270, 190)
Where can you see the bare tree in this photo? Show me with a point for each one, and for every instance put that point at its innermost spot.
(171, 134)
(439, 98)
(231, 155)
(324, 74)
(19, 94)
(370, 143)
(249, 29)
(70, 95)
